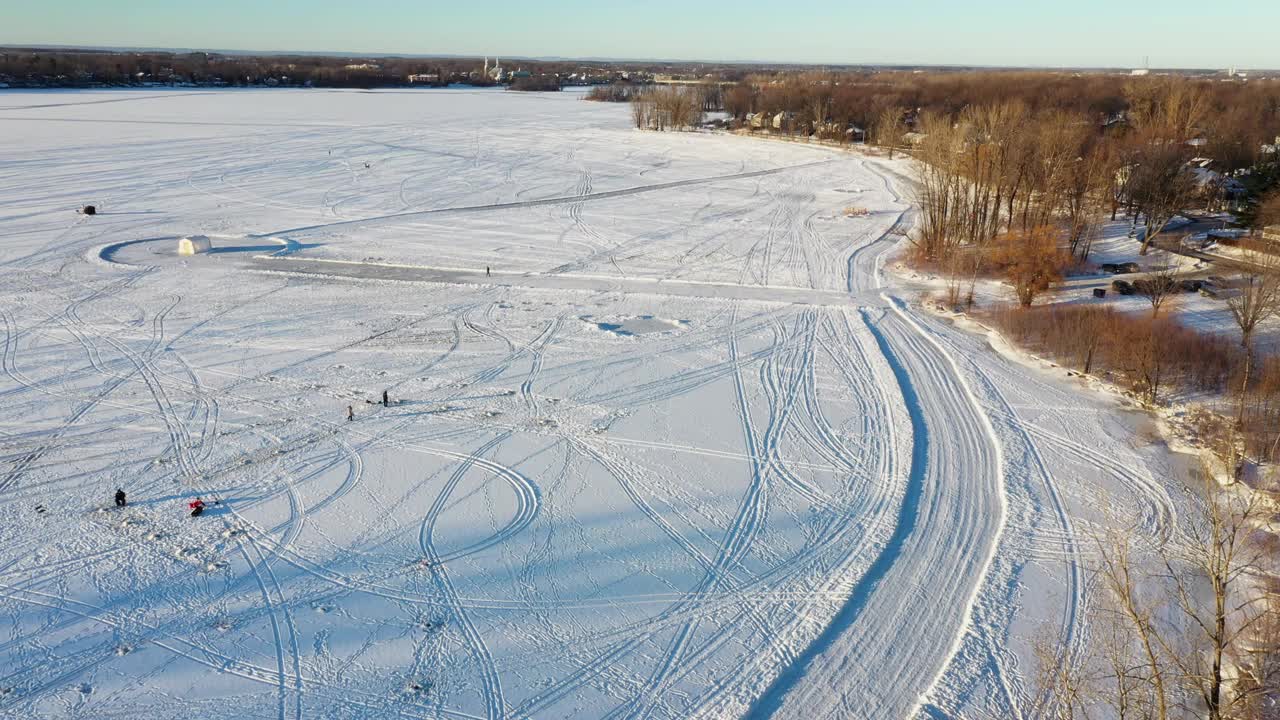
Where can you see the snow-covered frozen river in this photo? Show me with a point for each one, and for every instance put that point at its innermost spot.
(663, 440)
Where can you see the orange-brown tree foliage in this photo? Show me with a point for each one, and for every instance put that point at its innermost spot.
(1030, 261)
(1149, 354)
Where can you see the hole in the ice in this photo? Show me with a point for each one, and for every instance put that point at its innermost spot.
(637, 325)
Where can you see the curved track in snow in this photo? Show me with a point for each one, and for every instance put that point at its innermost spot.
(923, 583)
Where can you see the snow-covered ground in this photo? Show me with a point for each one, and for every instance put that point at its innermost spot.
(1203, 312)
(663, 442)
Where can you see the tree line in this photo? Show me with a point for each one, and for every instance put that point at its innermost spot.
(1006, 187)
(88, 68)
(539, 83)
(1008, 191)
(668, 107)
(618, 92)
(1243, 114)
(85, 68)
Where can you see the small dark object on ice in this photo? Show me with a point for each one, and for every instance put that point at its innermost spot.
(40, 509)
(417, 687)
(386, 402)
(197, 507)
(89, 210)
(1099, 292)
(120, 498)
(351, 413)
(486, 271)
(1122, 287)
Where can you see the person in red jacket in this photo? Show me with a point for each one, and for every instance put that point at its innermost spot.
(197, 507)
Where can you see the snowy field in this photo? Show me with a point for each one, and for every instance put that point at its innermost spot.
(663, 440)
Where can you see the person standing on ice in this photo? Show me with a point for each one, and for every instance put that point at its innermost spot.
(197, 507)
(120, 498)
(486, 271)
(351, 413)
(386, 401)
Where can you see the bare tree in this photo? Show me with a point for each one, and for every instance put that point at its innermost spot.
(1160, 283)
(887, 129)
(1259, 296)
(1161, 188)
(941, 190)
(1123, 579)
(1063, 685)
(819, 108)
(1186, 617)
(1218, 552)
(1258, 299)
(1268, 211)
(1122, 180)
(1167, 108)
(1258, 684)
(669, 108)
(640, 110)
(738, 100)
(1002, 127)
(1085, 196)
(1118, 680)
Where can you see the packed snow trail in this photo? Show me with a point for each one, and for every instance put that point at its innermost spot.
(572, 200)
(921, 586)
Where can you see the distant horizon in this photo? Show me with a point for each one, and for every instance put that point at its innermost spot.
(594, 59)
(1088, 34)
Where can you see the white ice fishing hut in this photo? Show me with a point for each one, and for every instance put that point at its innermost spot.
(194, 245)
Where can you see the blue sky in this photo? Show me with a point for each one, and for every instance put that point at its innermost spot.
(1174, 33)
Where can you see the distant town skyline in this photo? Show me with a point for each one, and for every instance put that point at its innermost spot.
(1087, 33)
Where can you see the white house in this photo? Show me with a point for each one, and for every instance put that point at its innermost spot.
(1217, 189)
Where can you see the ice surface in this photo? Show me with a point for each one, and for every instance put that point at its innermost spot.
(755, 480)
